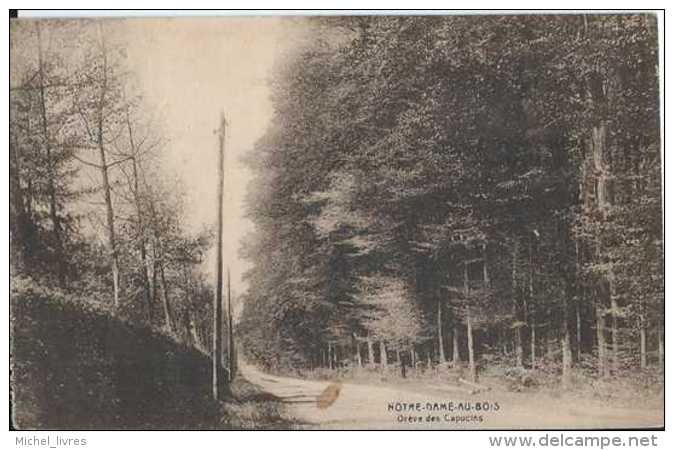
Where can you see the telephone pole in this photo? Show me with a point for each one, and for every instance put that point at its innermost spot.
(218, 379)
(230, 333)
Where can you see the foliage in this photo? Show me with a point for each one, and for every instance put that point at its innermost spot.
(413, 161)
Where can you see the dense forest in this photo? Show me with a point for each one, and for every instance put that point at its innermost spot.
(460, 191)
(93, 214)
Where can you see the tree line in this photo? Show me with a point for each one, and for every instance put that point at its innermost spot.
(92, 212)
(460, 190)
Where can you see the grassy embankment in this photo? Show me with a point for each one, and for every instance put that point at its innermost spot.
(75, 366)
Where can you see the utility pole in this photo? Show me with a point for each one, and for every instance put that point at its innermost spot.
(218, 379)
(230, 333)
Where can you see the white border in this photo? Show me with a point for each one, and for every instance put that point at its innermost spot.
(325, 439)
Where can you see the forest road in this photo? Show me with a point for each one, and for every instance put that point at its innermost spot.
(336, 405)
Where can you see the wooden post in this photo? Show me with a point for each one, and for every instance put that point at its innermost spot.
(217, 301)
(231, 352)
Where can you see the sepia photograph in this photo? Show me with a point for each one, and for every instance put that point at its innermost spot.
(343, 221)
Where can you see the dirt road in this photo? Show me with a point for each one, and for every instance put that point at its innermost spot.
(334, 405)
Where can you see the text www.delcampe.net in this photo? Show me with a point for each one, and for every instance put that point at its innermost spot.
(564, 440)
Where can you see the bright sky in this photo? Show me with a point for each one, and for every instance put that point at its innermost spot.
(191, 69)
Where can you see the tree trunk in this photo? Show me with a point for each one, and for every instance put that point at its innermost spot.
(579, 341)
(146, 279)
(456, 357)
(168, 319)
(598, 142)
(614, 330)
(370, 353)
(519, 352)
(551, 343)
(601, 345)
(155, 273)
(112, 246)
(642, 341)
(19, 227)
(533, 342)
(193, 331)
(599, 134)
(140, 224)
(661, 347)
(532, 320)
(330, 357)
(51, 182)
(158, 267)
(112, 243)
(357, 357)
(566, 345)
(566, 359)
(441, 345)
(579, 299)
(187, 301)
(504, 336)
(469, 328)
(471, 353)
(382, 355)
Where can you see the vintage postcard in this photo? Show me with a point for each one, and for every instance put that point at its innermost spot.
(360, 221)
